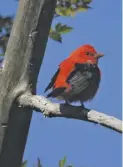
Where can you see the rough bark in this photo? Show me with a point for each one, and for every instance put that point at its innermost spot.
(41, 104)
(23, 57)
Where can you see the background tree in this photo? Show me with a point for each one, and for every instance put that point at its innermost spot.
(103, 100)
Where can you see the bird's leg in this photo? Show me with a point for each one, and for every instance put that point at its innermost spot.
(84, 110)
(82, 104)
(67, 102)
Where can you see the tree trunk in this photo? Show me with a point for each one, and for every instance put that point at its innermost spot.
(24, 54)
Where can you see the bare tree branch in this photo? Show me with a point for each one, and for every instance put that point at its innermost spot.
(41, 104)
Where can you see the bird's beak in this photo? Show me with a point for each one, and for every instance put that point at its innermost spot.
(98, 55)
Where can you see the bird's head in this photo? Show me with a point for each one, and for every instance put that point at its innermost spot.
(87, 53)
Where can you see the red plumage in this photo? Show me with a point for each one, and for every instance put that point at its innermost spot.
(78, 76)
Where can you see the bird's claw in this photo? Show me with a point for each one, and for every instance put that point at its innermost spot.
(82, 105)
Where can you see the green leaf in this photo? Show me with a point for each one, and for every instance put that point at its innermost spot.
(55, 36)
(62, 162)
(51, 30)
(39, 163)
(24, 164)
(87, 1)
(74, 1)
(62, 11)
(62, 28)
(58, 27)
(2, 54)
(70, 12)
(65, 29)
(81, 9)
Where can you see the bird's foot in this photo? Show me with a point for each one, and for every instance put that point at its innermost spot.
(67, 102)
(84, 111)
(82, 105)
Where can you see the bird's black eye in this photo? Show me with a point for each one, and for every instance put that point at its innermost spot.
(87, 53)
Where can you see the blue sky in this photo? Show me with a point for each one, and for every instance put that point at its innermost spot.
(84, 144)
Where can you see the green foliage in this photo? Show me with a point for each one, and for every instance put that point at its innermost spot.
(64, 8)
(55, 35)
(5, 28)
(39, 163)
(58, 31)
(71, 7)
(62, 29)
(62, 163)
(67, 8)
(1, 54)
(62, 11)
(24, 164)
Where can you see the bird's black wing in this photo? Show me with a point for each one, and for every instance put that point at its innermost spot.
(79, 78)
(84, 80)
(52, 80)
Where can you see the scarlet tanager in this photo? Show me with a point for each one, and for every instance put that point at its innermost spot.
(78, 76)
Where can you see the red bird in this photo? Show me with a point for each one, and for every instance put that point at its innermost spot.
(78, 76)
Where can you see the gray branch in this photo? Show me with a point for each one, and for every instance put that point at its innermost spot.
(49, 109)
